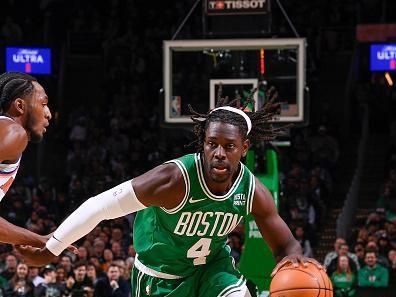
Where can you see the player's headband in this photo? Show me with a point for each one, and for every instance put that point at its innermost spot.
(238, 111)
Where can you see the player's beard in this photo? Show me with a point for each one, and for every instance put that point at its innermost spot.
(33, 135)
(209, 167)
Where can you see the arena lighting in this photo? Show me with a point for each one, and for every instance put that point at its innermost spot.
(389, 79)
(262, 61)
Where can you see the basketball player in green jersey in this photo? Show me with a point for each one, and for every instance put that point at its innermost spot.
(186, 207)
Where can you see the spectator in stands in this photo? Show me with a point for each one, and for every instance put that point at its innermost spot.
(387, 200)
(333, 254)
(383, 245)
(19, 284)
(373, 247)
(359, 252)
(131, 251)
(34, 276)
(390, 228)
(129, 262)
(104, 237)
(117, 250)
(67, 265)
(60, 274)
(98, 248)
(304, 242)
(373, 274)
(392, 267)
(82, 253)
(79, 281)
(362, 235)
(344, 279)
(11, 263)
(344, 251)
(92, 274)
(113, 285)
(50, 287)
(324, 176)
(117, 236)
(108, 259)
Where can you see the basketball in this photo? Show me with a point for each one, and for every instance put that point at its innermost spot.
(301, 281)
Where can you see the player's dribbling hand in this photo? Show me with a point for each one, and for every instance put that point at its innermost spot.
(295, 260)
(34, 256)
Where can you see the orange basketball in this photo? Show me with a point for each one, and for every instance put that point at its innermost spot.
(301, 281)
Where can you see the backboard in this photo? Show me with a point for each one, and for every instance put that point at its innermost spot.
(195, 69)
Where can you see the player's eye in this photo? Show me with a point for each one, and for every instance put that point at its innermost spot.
(211, 144)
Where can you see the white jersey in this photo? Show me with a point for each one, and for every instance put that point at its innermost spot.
(8, 173)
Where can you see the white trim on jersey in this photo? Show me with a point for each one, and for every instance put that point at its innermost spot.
(6, 169)
(252, 188)
(186, 178)
(139, 280)
(151, 272)
(233, 288)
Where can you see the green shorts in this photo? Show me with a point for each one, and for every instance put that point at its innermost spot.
(218, 278)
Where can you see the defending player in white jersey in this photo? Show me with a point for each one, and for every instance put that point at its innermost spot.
(24, 116)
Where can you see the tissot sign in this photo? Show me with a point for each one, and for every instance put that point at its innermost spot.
(224, 7)
(383, 57)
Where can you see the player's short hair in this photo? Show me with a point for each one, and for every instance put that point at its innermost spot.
(14, 85)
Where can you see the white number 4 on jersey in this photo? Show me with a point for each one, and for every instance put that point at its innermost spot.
(199, 251)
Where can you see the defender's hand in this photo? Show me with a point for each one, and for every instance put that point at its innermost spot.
(35, 256)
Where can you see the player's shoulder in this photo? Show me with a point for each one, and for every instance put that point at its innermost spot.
(13, 130)
(167, 173)
(260, 188)
(161, 186)
(263, 199)
(8, 126)
(170, 171)
(13, 139)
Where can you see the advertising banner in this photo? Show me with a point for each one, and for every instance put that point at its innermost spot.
(28, 60)
(236, 7)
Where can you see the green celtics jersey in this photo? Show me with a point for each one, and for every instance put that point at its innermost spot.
(177, 241)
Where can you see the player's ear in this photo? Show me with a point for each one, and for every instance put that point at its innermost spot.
(19, 105)
(246, 145)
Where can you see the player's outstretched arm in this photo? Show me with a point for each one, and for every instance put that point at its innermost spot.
(275, 231)
(15, 235)
(152, 188)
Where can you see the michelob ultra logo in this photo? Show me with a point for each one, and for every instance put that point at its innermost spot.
(28, 60)
(27, 56)
(382, 57)
(214, 7)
